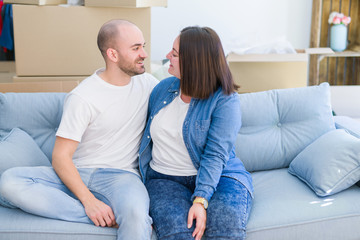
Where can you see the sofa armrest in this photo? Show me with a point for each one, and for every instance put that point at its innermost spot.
(350, 124)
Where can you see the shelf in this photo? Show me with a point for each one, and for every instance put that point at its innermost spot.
(342, 54)
(338, 68)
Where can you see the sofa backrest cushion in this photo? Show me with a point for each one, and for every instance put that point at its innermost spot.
(278, 124)
(38, 114)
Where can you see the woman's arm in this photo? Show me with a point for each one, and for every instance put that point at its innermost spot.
(224, 127)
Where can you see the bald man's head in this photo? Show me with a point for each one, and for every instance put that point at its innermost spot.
(109, 33)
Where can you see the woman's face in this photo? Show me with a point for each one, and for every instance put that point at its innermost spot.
(173, 56)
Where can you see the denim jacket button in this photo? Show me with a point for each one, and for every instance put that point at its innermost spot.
(164, 102)
(148, 136)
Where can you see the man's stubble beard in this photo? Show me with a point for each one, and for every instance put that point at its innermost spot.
(130, 68)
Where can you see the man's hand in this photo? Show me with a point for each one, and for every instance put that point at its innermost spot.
(197, 212)
(100, 213)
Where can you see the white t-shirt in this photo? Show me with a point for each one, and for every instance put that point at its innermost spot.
(169, 154)
(107, 121)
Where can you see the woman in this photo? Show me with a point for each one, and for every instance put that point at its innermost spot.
(195, 182)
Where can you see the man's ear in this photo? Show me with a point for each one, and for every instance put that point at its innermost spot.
(112, 54)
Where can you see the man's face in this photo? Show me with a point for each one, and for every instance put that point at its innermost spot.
(131, 51)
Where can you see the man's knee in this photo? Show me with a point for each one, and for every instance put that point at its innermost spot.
(133, 211)
(133, 221)
(8, 184)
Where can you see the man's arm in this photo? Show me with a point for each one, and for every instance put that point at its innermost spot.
(100, 213)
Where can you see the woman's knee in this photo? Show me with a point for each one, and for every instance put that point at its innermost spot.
(226, 222)
(228, 213)
(169, 206)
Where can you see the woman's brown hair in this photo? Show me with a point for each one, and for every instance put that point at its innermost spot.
(203, 66)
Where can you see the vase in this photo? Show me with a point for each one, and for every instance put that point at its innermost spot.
(338, 37)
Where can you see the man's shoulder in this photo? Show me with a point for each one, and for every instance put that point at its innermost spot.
(84, 92)
(146, 79)
(84, 84)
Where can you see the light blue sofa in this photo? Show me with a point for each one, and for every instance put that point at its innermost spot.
(315, 198)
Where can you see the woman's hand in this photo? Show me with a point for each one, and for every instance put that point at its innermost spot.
(198, 212)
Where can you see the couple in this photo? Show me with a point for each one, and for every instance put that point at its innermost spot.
(195, 185)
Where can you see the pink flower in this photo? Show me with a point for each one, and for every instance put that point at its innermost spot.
(331, 17)
(336, 20)
(346, 20)
(339, 18)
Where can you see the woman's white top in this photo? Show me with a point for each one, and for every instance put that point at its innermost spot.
(169, 154)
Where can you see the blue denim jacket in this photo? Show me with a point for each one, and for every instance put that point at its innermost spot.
(209, 131)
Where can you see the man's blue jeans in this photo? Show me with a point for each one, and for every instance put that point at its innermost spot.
(38, 190)
(170, 202)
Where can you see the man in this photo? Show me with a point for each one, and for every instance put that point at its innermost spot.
(95, 176)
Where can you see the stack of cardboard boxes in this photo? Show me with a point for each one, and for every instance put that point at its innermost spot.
(55, 45)
(261, 72)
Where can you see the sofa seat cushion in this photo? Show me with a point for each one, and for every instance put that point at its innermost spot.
(38, 114)
(18, 225)
(278, 124)
(286, 208)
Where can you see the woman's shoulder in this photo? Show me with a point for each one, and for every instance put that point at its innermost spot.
(219, 95)
(170, 82)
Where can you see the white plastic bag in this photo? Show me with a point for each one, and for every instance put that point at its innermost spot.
(279, 45)
(75, 2)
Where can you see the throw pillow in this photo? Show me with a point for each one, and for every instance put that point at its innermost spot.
(38, 114)
(18, 149)
(330, 164)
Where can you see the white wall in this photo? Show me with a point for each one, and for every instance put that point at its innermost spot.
(240, 21)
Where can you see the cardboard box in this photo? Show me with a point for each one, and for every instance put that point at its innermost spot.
(52, 86)
(7, 66)
(126, 3)
(48, 79)
(37, 2)
(61, 40)
(7, 71)
(6, 77)
(261, 72)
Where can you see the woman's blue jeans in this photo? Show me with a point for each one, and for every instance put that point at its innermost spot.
(38, 190)
(170, 202)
